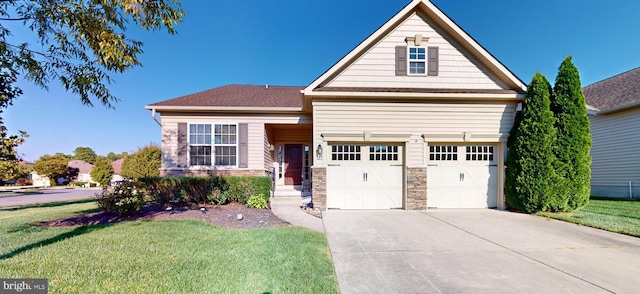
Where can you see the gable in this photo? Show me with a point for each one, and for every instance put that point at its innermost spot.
(461, 64)
(456, 70)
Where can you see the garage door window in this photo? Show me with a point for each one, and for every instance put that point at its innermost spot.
(479, 153)
(345, 152)
(383, 153)
(443, 152)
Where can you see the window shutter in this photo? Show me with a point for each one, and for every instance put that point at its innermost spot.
(243, 146)
(432, 67)
(401, 60)
(183, 145)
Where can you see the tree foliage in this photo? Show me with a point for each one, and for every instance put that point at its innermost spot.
(143, 163)
(13, 170)
(573, 143)
(52, 166)
(530, 173)
(75, 43)
(102, 171)
(85, 154)
(113, 156)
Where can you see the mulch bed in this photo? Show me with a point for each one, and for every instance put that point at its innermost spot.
(223, 216)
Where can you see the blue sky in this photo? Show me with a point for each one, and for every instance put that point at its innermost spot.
(292, 42)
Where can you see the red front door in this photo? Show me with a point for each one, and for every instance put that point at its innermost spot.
(293, 164)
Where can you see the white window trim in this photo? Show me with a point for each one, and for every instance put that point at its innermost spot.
(213, 147)
(409, 60)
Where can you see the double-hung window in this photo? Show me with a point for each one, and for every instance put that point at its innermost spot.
(417, 60)
(215, 144)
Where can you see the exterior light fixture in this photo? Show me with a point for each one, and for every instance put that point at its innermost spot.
(319, 152)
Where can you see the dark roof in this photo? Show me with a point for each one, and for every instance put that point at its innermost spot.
(117, 166)
(240, 96)
(614, 92)
(82, 166)
(416, 90)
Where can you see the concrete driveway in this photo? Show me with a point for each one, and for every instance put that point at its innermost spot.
(476, 251)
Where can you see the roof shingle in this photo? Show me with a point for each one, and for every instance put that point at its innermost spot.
(614, 92)
(240, 96)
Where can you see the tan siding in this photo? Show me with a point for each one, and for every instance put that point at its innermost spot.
(456, 70)
(256, 146)
(615, 152)
(268, 155)
(169, 144)
(412, 118)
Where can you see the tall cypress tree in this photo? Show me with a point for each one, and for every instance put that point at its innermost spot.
(573, 142)
(530, 173)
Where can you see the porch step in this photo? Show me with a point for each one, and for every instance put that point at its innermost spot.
(287, 193)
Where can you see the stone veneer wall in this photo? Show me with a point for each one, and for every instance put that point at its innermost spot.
(416, 188)
(206, 173)
(319, 187)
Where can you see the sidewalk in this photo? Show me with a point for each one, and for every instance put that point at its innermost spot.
(288, 209)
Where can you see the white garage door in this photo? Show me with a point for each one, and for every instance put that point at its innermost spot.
(364, 177)
(462, 176)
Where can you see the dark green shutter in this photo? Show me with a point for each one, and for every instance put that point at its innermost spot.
(183, 145)
(401, 60)
(432, 66)
(243, 146)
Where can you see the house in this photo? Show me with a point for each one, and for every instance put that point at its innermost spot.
(416, 116)
(614, 113)
(117, 169)
(84, 170)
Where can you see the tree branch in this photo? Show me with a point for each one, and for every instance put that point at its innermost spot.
(20, 18)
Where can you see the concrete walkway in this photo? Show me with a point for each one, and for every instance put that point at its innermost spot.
(288, 209)
(476, 251)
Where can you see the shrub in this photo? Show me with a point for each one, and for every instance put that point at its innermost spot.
(126, 199)
(217, 190)
(257, 201)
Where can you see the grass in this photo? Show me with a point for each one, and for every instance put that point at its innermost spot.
(168, 256)
(615, 215)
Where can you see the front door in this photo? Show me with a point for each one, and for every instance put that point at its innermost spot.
(293, 164)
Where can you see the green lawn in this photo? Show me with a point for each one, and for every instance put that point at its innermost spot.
(169, 256)
(615, 215)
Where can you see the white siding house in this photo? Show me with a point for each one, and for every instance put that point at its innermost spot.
(615, 120)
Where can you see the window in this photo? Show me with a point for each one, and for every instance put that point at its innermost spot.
(417, 60)
(443, 152)
(345, 152)
(383, 153)
(223, 147)
(479, 153)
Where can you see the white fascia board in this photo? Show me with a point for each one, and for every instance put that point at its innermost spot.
(224, 108)
(621, 108)
(417, 95)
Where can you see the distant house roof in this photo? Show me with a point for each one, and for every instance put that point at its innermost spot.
(247, 96)
(615, 92)
(82, 166)
(117, 166)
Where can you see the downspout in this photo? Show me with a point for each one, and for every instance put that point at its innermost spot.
(630, 191)
(153, 114)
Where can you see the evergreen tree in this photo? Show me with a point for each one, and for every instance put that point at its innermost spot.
(85, 154)
(102, 171)
(143, 163)
(530, 174)
(573, 143)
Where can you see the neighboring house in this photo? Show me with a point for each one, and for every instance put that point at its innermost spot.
(415, 116)
(39, 181)
(84, 170)
(117, 169)
(614, 112)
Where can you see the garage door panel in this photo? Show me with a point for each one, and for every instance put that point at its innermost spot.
(368, 182)
(464, 180)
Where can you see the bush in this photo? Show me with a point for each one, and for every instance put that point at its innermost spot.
(257, 201)
(200, 190)
(126, 199)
